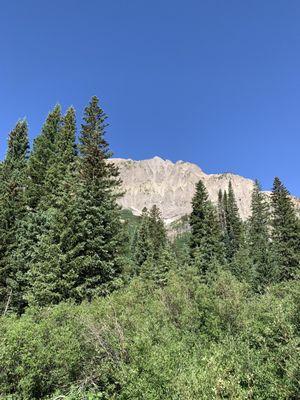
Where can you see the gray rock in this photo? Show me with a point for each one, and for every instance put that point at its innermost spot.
(171, 186)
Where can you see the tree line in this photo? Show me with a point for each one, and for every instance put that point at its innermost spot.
(61, 230)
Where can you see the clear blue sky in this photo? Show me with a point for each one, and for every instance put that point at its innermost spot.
(212, 82)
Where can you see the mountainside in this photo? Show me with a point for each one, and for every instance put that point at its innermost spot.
(171, 186)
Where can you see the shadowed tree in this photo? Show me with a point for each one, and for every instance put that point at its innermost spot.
(285, 233)
(12, 209)
(205, 245)
(234, 225)
(259, 241)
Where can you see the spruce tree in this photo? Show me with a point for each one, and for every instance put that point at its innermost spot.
(157, 268)
(44, 275)
(225, 231)
(38, 253)
(221, 211)
(242, 264)
(285, 233)
(157, 231)
(150, 238)
(259, 240)
(205, 244)
(234, 225)
(62, 162)
(12, 209)
(92, 237)
(142, 243)
(42, 157)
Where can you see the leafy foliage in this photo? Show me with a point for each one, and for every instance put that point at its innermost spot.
(183, 340)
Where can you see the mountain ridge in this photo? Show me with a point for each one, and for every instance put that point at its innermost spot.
(171, 185)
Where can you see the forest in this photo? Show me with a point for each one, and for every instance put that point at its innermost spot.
(98, 304)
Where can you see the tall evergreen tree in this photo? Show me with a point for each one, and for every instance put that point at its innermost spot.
(42, 157)
(142, 243)
(234, 225)
(285, 233)
(221, 210)
(157, 268)
(242, 264)
(92, 238)
(46, 276)
(12, 207)
(62, 160)
(157, 231)
(150, 238)
(259, 241)
(205, 244)
(38, 254)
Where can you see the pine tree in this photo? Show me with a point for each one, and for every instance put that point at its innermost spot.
(62, 162)
(44, 275)
(38, 254)
(42, 157)
(285, 233)
(205, 245)
(234, 225)
(259, 241)
(242, 265)
(221, 210)
(157, 268)
(92, 237)
(157, 231)
(142, 243)
(12, 208)
(150, 238)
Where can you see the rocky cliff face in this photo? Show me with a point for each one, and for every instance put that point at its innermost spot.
(171, 186)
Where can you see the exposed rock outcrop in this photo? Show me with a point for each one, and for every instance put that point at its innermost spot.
(171, 186)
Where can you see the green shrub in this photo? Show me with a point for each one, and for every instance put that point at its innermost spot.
(186, 340)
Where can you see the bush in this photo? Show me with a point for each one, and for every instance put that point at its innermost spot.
(186, 340)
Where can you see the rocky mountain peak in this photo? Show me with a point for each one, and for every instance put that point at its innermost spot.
(171, 186)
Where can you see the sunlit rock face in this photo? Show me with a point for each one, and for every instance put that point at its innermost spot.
(171, 186)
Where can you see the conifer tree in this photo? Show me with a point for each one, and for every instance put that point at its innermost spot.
(42, 156)
(234, 225)
(225, 231)
(205, 244)
(157, 269)
(285, 233)
(44, 277)
(221, 211)
(151, 237)
(259, 241)
(142, 243)
(38, 253)
(62, 161)
(242, 264)
(12, 208)
(92, 238)
(157, 231)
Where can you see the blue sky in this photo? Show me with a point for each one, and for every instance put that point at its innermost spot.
(212, 82)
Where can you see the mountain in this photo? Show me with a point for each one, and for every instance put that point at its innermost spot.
(171, 186)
